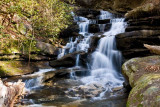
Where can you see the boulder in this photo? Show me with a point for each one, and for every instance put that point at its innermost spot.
(131, 43)
(143, 75)
(69, 60)
(47, 48)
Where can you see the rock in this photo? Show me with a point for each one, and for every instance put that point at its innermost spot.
(14, 68)
(87, 91)
(11, 93)
(47, 48)
(153, 49)
(131, 43)
(94, 40)
(143, 75)
(116, 89)
(104, 21)
(148, 8)
(71, 31)
(69, 60)
(93, 28)
(88, 13)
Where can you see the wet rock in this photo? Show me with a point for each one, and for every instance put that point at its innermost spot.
(69, 60)
(143, 75)
(116, 89)
(131, 43)
(104, 21)
(71, 31)
(87, 91)
(94, 28)
(94, 40)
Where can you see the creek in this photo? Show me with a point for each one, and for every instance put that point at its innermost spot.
(98, 84)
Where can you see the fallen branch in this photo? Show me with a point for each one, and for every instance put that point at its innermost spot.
(10, 93)
(153, 49)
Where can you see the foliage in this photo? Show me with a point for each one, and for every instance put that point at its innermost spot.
(41, 18)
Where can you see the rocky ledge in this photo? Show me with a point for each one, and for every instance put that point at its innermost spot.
(144, 77)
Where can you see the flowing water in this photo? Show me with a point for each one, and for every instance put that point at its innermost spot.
(94, 85)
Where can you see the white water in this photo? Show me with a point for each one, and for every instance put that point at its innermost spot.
(80, 43)
(37, 80)
(104, 15)
(107, 59)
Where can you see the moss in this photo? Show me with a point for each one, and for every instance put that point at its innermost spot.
(10, 68)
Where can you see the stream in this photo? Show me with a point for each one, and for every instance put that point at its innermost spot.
(98, 84)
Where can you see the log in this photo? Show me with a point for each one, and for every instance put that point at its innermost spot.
(153, 49)
(10, 93)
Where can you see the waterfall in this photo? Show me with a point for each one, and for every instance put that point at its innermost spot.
(107, 59)
(104, 15)
(80, 43)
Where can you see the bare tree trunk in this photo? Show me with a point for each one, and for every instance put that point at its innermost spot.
(10, 92)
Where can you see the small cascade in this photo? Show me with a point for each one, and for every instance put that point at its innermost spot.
(104, 15)
(37, 79)
(80, 43)
(107, 59)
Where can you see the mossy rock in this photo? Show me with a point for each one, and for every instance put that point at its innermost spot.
(14, 68)
(144, 77)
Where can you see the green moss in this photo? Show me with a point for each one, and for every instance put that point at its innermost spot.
(10, 68)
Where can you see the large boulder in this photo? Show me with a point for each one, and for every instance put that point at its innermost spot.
(143, 75)
(47, 48)
(69, 60)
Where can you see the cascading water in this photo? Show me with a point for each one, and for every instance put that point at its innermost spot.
(77, 45)
(104, 15)
(107, 59)
(103, 71)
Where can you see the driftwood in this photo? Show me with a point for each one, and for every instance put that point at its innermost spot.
(153, 49)
(10, 93)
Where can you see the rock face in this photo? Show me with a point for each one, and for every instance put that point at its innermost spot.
(117, 5)
(69, 60)
(144, 76)
(131, 43)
